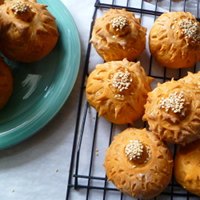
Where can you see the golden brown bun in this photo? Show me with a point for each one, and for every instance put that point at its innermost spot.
(173, 112)
(169, 45)
(187, 167)
(139, 171)
(6, 83)
(28, 32)
(119, 99)
(115, 43)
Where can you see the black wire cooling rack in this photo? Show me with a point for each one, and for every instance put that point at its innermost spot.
(87, 179)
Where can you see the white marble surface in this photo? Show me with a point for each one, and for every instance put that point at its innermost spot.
(37, 169)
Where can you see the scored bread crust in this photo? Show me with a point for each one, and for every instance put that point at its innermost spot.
(169, 126)
(168, 44)
(187, 167)
(119, 107)
(193, 79)
(29, 35)
(111, 44)
(6, 83)
(145, 180)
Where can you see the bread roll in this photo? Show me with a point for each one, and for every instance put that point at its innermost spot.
(6, 83)
(118, 90)
(174, 40)
(28, 32)
(118, 34)
(138, 163)
(187, 167)
(173, 112)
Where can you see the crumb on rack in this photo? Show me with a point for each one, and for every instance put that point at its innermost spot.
(190, 29)
(121, 80)
(97, 152)
(174, 102)
(20, 7)
(118, 23)
(134, 150)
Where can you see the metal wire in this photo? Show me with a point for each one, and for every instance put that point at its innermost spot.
(88, 181)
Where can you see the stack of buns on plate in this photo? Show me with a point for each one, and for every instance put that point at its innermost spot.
(139, 161)
(28, 33)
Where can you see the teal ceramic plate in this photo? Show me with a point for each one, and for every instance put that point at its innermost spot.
(41, 88)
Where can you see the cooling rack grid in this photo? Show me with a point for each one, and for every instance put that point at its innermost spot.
(87, 179)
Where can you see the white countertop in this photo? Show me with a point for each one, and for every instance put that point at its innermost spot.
(37, 169)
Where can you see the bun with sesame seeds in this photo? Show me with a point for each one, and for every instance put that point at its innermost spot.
(187, 167)
(118, 90)
(118, 34)
(173, 112)
(138, 163)
(174, 40)
(6, 83)
(28, 32)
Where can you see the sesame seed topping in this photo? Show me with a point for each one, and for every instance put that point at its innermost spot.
(175, 102)
(190, 29)
(134, 150)
(20, 7)
(119, 22)
(121, 80)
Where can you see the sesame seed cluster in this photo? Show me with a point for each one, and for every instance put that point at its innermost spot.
(20, 7)
(119, 22)
(134, 150)
(121, 80)
(190, 29)
(174, 102)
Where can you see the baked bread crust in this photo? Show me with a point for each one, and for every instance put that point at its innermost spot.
(173, 112)
(174, 40)
(193, 79)
(28, 31)
(118, 35)
(142, 177)
(187, 167)
(118, 90)
(6, 83)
